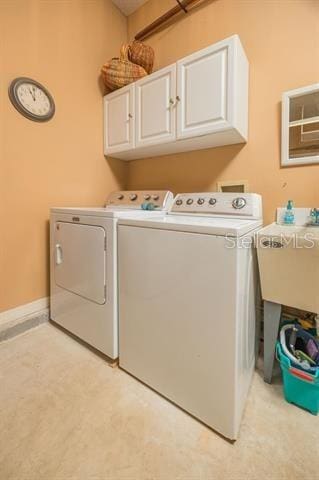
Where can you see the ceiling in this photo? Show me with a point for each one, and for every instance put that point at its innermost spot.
(128, 6)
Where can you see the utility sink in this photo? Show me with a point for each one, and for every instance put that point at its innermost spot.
(288, 257)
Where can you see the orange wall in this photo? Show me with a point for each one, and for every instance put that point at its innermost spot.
(281, 40)
(62, 44)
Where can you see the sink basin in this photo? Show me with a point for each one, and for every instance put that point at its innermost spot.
(288, 257)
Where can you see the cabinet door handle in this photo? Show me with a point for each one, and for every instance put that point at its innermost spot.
(130, 115)
(178, 99)
(171, 101)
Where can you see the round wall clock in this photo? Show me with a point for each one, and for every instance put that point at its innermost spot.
(31, 99)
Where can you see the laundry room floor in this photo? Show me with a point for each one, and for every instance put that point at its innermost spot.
(67, 415)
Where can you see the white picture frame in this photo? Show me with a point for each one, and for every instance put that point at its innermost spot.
(287, 159)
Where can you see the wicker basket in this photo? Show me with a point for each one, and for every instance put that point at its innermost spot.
(119, 72)
(142, 55)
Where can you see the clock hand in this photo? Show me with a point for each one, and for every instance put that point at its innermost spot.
(32, 93)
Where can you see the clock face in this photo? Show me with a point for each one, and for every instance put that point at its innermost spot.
(31, 99)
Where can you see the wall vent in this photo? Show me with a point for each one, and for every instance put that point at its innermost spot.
(239, 186)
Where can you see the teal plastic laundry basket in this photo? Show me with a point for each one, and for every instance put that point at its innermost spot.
(300, 387)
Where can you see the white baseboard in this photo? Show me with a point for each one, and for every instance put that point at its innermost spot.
(23, 310)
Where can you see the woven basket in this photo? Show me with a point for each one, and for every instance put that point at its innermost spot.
(119, 72)
(142, 55)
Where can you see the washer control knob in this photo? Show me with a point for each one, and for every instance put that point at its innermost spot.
(200, 201)
(155, 197)
(120, 196)
(133, 197)
(239, 203)
(189, 201)
(179, 201)
(212, 201)
(147, 197)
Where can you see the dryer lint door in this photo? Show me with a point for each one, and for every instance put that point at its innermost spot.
(79, 256)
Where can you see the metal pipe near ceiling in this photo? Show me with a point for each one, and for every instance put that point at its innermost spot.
(160, 21)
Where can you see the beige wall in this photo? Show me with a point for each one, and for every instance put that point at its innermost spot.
(281, 40)
(62, 44)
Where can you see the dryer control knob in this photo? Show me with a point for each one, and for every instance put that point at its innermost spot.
(120, 196)
(155, 197)
(212, 201)
(189, 201)
(239, 203)
(147, 197)
(179, 201)
(200, 201)
(133, 197)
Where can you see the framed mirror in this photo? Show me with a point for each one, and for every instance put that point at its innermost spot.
(300, 126)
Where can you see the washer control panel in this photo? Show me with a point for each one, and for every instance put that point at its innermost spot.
(161, 199)
(222, 204)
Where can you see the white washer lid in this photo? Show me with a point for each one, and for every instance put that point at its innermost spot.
(234, 227)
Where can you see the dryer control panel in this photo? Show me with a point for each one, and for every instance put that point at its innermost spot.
(222, 204)
(161, 199)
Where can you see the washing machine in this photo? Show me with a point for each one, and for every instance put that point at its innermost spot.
(187, 300)
(83, 262)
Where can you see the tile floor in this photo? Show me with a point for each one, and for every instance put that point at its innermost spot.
(66, 415)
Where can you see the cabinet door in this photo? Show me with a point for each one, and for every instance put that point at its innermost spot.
(119, 120)
(204, 90)
(155, 108)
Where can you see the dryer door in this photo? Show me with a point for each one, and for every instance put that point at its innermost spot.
(79, 253)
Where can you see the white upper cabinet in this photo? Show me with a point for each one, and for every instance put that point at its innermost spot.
(204, 87)
(155, 113)
(119, 118)
(199, 102)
